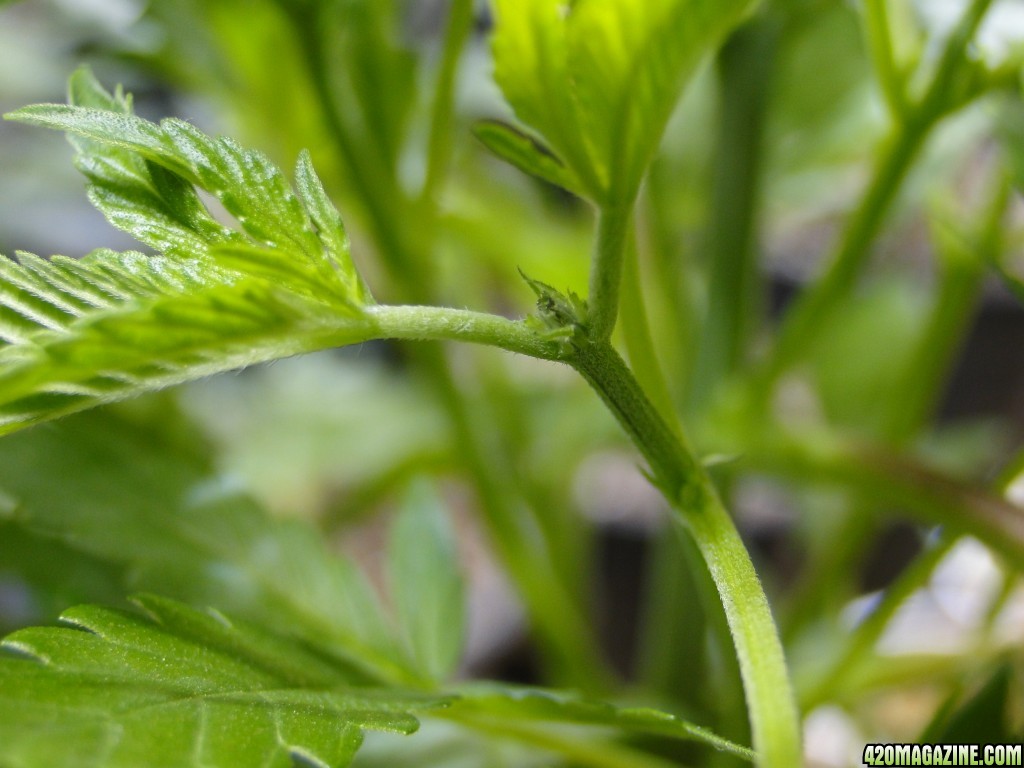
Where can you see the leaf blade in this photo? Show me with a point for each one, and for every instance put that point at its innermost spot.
(109, 326)
(426, 582)
(163, 690)
(526, 154)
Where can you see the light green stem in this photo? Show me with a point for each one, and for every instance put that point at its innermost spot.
(746, 67)
(636, 331)
(880, 44)
(439, 148)
(445, 324)
(774, 720)
(613, 227)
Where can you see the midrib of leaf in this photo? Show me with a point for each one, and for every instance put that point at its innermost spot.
(149, 343)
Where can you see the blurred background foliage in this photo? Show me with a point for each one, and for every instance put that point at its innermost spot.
(909, 399)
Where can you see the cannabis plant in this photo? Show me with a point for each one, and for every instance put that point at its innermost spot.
(201, 624)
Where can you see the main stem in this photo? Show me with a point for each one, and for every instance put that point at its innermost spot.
(774, 720)
(613, 228)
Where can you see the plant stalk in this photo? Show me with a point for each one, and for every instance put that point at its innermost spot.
(685, 483)
(614, 224)
(560, 623)
(439, 146)
(774, 721)
(899, 150)
(746, 70)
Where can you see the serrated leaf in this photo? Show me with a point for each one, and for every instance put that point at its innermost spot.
(82, 332)
(599, 78)
(180, 688)
(328, 221)
(517, 704)
(526, 154)
(426, 582)
(183, 533)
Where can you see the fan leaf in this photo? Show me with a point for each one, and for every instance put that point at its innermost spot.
(77, 333)
(181, 688)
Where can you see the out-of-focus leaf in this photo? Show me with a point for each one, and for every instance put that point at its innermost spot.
(525, 153)
(181, 688)
(426, 582)
(273, 431)
(159, 513)
(1011, 130)
(853, 371)
(598, 79)
(512, 705)
(40, 577)
(984, 718)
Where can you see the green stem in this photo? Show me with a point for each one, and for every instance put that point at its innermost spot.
(636, 332)
(439, 146)
(942, 93)
(879, 34)
(806, 318)
(882, 477)
(774, 720)
(913, 398)
(674, 284)
(746, 69)
(559, 622)
(613, 227)
(773, 716)
(962, 265)
(445, 324)
(862, 641)
(672, 593)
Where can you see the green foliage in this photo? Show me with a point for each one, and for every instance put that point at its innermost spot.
(802, 121)
(304, 619)
(986, 717)
(599, 80)
(519, 705)
(526, 154)
(183, 532)
(426, 584)
(82, 332)
(111, 687)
